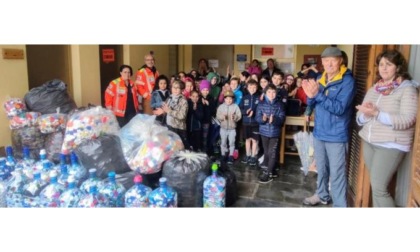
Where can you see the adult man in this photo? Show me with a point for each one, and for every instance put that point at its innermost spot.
(271, 68)
(145, 81)
(331, 96)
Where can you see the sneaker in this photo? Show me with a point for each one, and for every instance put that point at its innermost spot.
(230, 160)
(252, 161)
(265, 178)
(274, 174)
(314, 200)
(245, 160)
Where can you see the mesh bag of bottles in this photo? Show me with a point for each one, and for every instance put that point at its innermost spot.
(30, 137)
(88, 124)
(186, 172)
(104, 154)
(14, 107)
(51, 95)
(146, 145)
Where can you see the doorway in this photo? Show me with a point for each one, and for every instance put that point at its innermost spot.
(110, 60)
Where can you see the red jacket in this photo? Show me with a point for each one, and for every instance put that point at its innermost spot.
(116, 96)
(145, 81)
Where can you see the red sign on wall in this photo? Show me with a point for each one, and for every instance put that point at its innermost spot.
(108, 55)
(267, 51)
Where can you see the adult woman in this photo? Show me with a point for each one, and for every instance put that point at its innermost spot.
(121, 96)
(388, 115)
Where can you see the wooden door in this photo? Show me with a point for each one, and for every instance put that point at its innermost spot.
(110, 59)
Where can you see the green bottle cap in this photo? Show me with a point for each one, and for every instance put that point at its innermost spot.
(214, 167)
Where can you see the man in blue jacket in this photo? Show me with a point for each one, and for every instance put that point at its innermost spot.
(331, 96)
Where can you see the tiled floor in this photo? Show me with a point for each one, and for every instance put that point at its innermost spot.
(288, 190)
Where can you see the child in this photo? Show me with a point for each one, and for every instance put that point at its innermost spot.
(228, 114)
(270, 116)
(250, 130)
(194, 122)
(209, 111)
(189, 86)
(176, 108)
(159, 95)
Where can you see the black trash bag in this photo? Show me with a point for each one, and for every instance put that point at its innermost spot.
(30, 137)
(47, 98)
(151, 180)
(53, 143)
(186, 172)
(126, 179)
(104, 154)
(231, 186)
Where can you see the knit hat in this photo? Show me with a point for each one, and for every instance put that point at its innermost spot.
(204, 84)
(229, 93)
(211, 75)
(331, 52)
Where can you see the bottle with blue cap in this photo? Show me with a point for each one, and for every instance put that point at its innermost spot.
(72, 195)
(76, 169)
(163, 196)
(138, 194)
(113, 191)
(10, 159)
(93, 199)
(32, 190)
(92, 180)
(15, 188)
(42, 160)
(63, 161)
(50, 195)
(5, 171)
(64, 175)
(26, 163)
(214, 189)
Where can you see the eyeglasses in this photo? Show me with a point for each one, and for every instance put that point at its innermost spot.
(290, 79)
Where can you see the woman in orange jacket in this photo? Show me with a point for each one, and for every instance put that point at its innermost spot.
(121, 96)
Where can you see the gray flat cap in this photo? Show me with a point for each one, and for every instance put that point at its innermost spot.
(331, 52)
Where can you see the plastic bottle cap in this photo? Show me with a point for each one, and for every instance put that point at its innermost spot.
(162, 180)
(92, 170)
(71, 179)
(138, 179)
(111, 174)
(214, 167)
(43, 151)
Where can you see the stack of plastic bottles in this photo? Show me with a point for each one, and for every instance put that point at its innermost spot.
(214, 189)
(72, 195)
(137, 195)
(44, 165)
(50, 195)
(113, 191)
(26, 163)
(163, 196)
(93, 199)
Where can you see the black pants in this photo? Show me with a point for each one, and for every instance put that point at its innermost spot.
(195, 139)
(270, 145)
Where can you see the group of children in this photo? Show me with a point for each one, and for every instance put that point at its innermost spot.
(201, 112)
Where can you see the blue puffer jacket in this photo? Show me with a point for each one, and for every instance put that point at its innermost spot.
(249, 102)
(275, 108)
(333, 107)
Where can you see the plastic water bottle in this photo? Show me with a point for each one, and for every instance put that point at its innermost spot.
(92, 180)
(32, 189)
(10, 159)
(72, 195)
(15, 188)
(214, 190)
(93, 199)
(45, 172)
(3, 190)
(42, 160)
(26, 163)
(5, 171)
(64, 175)
(138, 194)
(63, 161)
(75, 169)
(163, 196)
(113, 191)
(50, 195)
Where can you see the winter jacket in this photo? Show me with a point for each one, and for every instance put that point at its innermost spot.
(158, 98)
(333, 107)
(275, 108)
(145, 80)
(229, 110)
(209, 111)
(249, 102)
(194, 117)
(177, 115)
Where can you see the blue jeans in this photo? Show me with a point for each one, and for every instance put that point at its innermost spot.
(331, 162)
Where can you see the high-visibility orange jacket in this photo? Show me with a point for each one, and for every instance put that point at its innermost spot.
(116, 96)
(145, 81)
